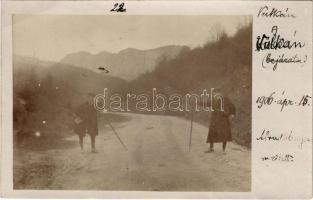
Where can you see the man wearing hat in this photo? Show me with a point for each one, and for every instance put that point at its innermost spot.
(220, 130)
(86, 122)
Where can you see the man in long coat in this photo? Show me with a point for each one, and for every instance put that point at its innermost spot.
(220, 129)
(86, 122)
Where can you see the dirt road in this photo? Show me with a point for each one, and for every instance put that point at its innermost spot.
(157, 159)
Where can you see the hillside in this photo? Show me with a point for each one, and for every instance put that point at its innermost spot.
(225, 64)
(47, 91)
(127, 64)
(75, 79)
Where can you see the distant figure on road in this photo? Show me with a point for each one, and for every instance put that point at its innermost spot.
(220, 130)
(86, 122)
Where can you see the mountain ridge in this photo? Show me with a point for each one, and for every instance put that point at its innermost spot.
(128, 63)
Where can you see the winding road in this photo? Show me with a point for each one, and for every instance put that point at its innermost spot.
(157, 159)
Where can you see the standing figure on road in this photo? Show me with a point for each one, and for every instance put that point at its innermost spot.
(86, 122)
(220, 129)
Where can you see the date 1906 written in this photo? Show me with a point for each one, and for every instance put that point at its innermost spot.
(280, 99)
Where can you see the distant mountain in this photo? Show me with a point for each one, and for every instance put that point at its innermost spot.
(127, 64)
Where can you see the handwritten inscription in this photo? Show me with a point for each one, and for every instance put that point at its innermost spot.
(266, 11)
(281, 46)
(276, 41)
(279, 99)
(270, 61)
(279, 158)
(118, 7)
(268, 136)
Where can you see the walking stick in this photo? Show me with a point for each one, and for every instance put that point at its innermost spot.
(118, 137)
(190, 133)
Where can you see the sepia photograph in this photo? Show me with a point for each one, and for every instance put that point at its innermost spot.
(132, 102)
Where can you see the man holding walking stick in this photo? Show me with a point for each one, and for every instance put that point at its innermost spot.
(86, 122)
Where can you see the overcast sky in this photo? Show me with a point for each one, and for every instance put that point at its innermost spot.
(51, 37)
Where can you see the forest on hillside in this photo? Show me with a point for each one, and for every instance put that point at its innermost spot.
(224, 63)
